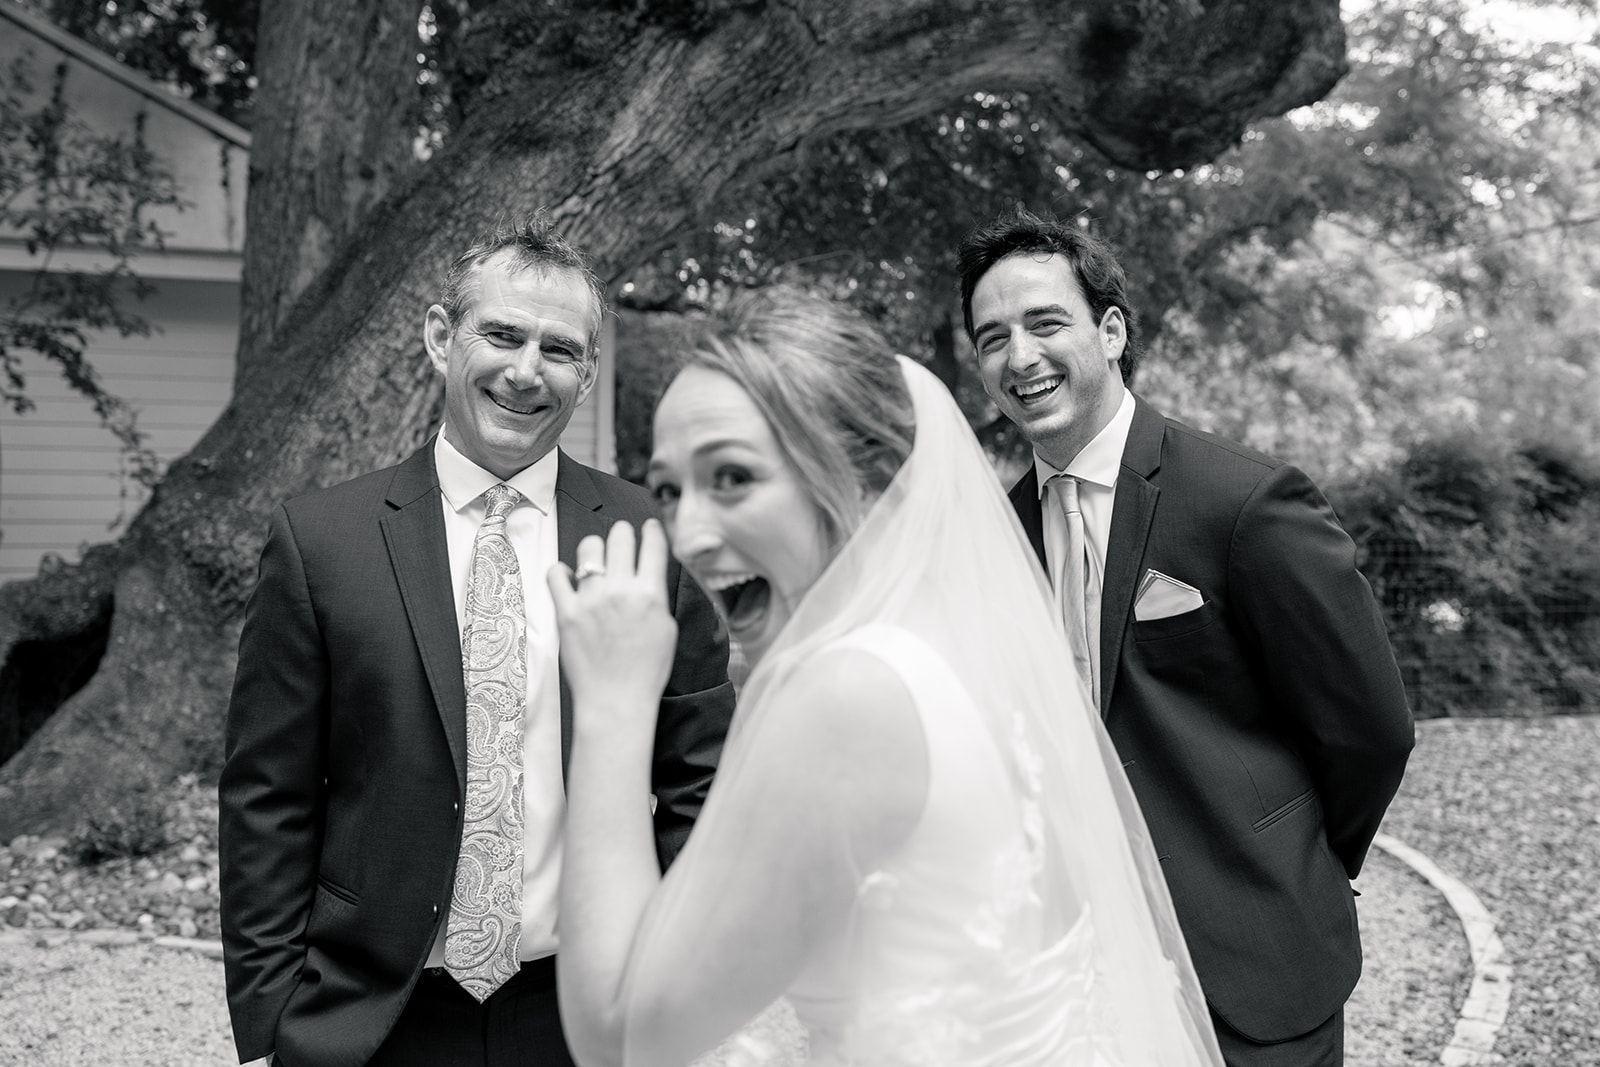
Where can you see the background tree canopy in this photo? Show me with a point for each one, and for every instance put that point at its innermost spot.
(1339, 277)
(1414, 254)
(1391, 288)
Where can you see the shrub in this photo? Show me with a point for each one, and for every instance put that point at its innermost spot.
(134, 827)
(1486, 561)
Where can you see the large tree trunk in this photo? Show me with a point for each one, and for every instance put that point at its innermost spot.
(626, 152)
(335, 114)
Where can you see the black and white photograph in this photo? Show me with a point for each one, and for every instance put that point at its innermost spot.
(800, 533)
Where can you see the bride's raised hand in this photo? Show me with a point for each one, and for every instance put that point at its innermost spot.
(617, 636)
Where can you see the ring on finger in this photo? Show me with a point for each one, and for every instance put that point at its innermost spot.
(588, 570)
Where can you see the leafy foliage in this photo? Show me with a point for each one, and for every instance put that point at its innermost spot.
(1392, 288)
(1402, 259)
(1412, 254)
(205, 49)
(65, 187)
(136, 827)
(1486, 561)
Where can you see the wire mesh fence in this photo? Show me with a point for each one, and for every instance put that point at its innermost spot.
(1500, 644)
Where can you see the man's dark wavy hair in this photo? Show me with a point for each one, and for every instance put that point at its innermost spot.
(1094, 264)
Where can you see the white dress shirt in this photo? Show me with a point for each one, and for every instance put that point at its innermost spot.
(531, 528)
(1096, 468)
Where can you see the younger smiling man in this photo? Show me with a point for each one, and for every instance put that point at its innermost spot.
(392, 803)
(1240, 661)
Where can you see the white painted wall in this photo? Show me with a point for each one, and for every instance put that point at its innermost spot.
(62, 484)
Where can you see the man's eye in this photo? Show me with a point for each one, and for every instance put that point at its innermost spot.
(503, 340)
(560, 352)
(1047, 326)
(665, 493)
(992, 342)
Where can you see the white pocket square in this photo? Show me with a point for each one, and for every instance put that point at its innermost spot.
(1162, 596)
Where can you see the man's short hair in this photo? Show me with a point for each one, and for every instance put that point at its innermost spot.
(1094, 264)
(535, 245)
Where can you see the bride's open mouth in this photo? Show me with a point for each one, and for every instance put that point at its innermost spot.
(744, 598)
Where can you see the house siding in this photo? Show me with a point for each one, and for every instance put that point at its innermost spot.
(62, 480)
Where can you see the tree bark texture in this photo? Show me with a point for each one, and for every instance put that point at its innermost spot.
(335, 115)
(626, 151)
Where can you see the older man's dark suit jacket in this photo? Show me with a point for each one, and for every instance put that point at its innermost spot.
(341, 792)
(1263, 733)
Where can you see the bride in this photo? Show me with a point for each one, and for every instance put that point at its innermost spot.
(919, 833)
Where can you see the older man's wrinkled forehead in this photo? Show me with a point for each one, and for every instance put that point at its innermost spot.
(516, 263)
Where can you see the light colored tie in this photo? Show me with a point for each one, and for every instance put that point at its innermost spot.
(485, 925)
(1073, 590)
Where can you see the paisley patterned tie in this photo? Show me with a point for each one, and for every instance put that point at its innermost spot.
(485, 925)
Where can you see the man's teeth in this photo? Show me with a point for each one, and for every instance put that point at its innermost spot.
(1036, 389)
(717, 583)
(511, 407)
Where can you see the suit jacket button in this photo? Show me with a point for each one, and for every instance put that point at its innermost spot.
(436, 911)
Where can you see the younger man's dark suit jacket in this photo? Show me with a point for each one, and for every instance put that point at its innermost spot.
(1264, 732)
(345, 770)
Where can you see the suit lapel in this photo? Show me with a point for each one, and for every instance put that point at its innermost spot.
(1025, 501)
(414, 534)
(1131, 517)
(579, 513)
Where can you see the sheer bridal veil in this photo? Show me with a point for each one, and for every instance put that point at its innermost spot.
(941, 555)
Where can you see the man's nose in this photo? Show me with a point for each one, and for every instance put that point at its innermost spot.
(1023, 351)
(525, 369)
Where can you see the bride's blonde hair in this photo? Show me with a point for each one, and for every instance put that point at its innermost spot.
(829, 386)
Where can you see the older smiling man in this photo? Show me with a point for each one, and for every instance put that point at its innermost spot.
(392, 803)
(1239, 658)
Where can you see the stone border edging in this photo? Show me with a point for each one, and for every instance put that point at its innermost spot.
(1489, 995)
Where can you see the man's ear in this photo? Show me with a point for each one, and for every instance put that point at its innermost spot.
(436, 337)
(591, 374)
(1113, 333)
(590, 369)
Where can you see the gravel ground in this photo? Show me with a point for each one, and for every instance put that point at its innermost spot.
(67, 1002)
(172, 892)
(1416, 971)
(1511, 807)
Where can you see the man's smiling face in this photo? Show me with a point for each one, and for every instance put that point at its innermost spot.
(517, 365)
(1044, 360)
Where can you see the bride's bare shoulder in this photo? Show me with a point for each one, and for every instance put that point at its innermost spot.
(847, 685)
(847, 715)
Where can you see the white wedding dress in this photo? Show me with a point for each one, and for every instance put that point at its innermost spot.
(1023, 921)
(947, 962)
